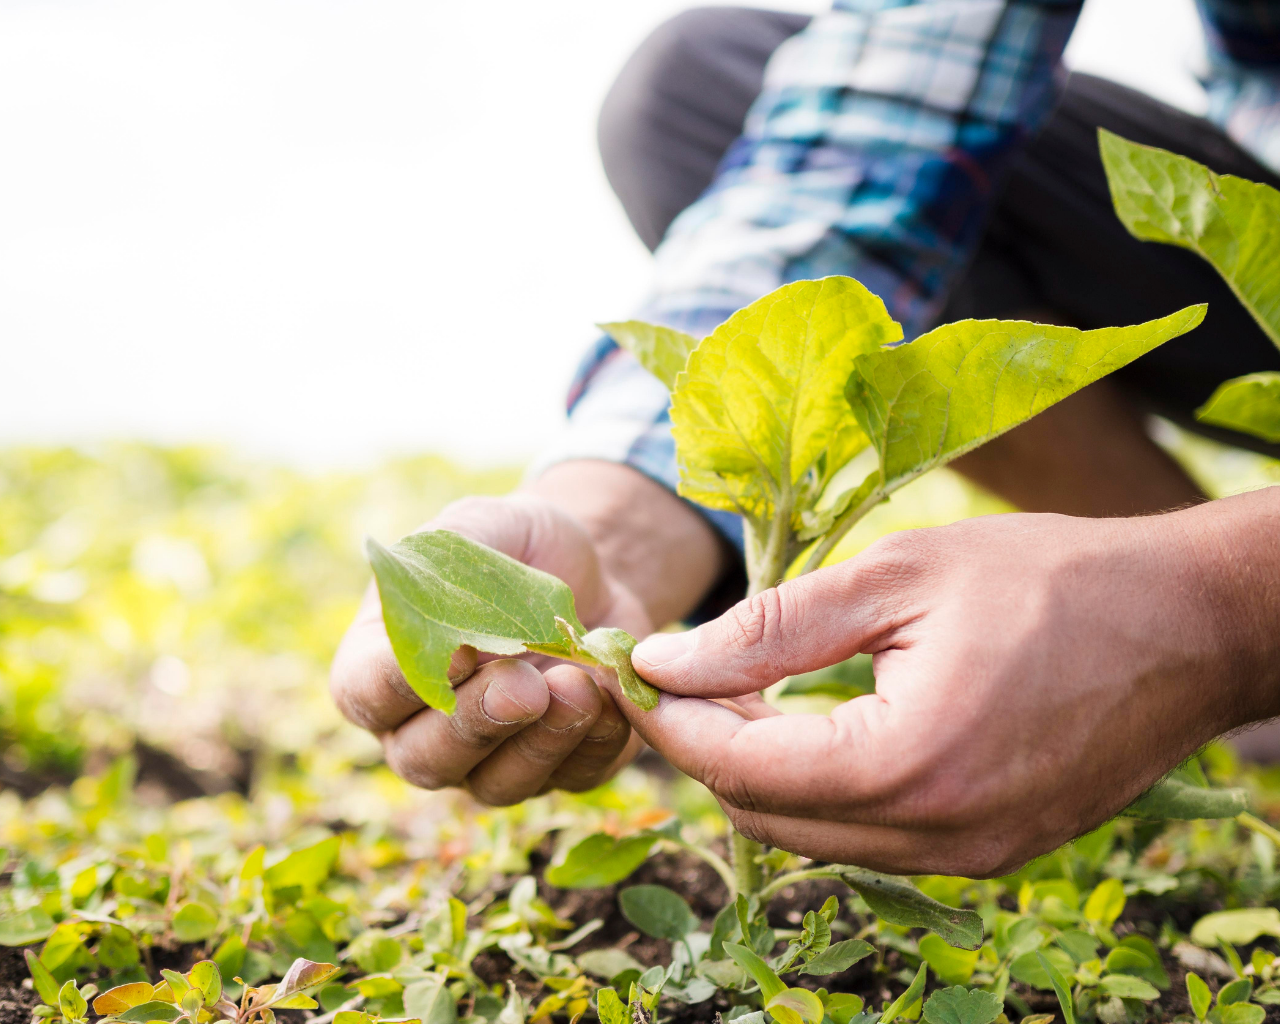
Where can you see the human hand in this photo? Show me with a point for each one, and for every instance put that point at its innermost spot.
(1034, 674)
(522, 726)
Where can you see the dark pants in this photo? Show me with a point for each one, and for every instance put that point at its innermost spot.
(1053, 247)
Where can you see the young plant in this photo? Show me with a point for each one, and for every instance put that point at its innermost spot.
(800, 413)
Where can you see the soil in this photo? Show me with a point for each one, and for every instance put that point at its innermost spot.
(705, 892)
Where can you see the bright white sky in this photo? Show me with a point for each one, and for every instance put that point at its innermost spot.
(332, 230)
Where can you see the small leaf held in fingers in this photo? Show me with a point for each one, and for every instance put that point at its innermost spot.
(612, 648)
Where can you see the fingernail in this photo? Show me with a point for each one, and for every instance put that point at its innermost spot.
(501, 706)
(561, 715)
(664, 648)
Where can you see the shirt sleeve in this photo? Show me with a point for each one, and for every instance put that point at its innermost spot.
(1244, 73)
(879, 140)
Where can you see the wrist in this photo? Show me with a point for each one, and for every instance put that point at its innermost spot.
(648, 541)
(1227, 554)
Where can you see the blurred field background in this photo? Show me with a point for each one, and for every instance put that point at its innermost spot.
(256, 259)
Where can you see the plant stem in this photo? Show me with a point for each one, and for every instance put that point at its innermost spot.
(1261, 827)
(842, 526)
(791, 877)
(720, 865)
(748, 872)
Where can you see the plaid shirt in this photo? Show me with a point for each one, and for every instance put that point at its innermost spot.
(874, 150)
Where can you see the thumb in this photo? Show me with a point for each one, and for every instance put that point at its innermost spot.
(798, 626)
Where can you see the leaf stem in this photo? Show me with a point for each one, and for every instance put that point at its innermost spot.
(842, 526)
(791, 877)
(1261, 827)
(717, 862)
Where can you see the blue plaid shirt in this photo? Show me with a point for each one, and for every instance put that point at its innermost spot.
(874, 150)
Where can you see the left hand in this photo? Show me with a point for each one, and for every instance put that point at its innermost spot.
(1034, 674)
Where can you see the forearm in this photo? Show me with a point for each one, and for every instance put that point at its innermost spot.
(647, 539)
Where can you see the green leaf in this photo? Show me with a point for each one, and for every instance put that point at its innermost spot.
(600, 860)
(837, 957)
(1174, 798)
(795, 1006)
(612, 648)
(1079, 944)
(760, 402)
(154, 1010)
(962, 384)
(1231, 222)
(760, 972)
(441, 591)
(1249, 404)
(843, 1006)
(609, 1008)
(908, 998)
(25, 927)
(1105, 903)
(1238, 991)
(1060, 988)
(230, 956)
(207, 979)
(1126, 986)
(71, 1003)
(954, 966)
(1236, 927)
(1242, 1013)
(608, 963)
(194, 922)
(662, 351)
(901, 903)
(1028, 970)
(657, 911)
(375, 951)
(844, 681)
(306, 868)
(117, 948)
(959, 1005)
(1198, 994)
(431, 1001)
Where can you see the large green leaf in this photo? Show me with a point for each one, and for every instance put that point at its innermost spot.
(657, 911)
(600, 860)
(662, 351)
(441, 591)
(959, 1005)
(759, 413)
(1249, 404)
(1231, 222)
(1236, 927)
(962, 384)
(901, 903)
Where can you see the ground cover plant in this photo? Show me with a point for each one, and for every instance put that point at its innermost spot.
(188, 832)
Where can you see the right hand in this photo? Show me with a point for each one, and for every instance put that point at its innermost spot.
(522, 726)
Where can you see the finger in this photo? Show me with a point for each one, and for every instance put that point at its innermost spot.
(896, 851)
(520, 767)
(433, 750)
(365, 680)
(846, 767)
(801, 625)
(608, 745)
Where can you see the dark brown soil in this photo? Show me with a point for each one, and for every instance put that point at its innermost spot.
(16, 1002)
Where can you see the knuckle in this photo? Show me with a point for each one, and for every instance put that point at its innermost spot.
(491, 794)
(754, 621)
(729, 786)
(413, 767)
